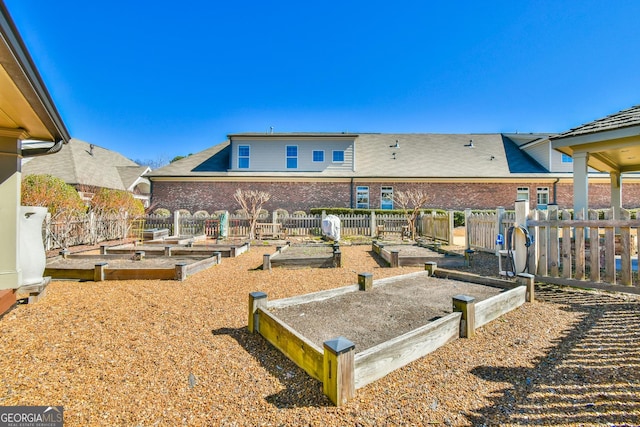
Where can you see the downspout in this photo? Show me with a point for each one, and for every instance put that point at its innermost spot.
(555, 183)
(351, 194)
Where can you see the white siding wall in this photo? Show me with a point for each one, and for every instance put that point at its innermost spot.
(556, 163)
(540, 153)
(269, 155)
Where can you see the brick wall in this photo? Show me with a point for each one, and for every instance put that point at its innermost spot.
(212, 196)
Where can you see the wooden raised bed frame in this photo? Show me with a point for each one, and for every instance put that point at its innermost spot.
(337, 365)
(277, 259)
(101, 271)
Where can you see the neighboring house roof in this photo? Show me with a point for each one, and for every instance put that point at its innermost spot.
(81, 163)
(622, 119)
(418, 156)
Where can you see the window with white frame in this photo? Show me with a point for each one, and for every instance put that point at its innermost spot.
(362, 197)
(566, 158)
(522, 193)
(542, 197)
(292, 156)
(386, 198)
(318, 156)
(243, 156)
(338, 156)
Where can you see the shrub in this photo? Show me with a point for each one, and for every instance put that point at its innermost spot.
(201, 214)
(116, 202)
(162, 212)
(53, 193)
(299, 213)
(281, 213)
(184, 212)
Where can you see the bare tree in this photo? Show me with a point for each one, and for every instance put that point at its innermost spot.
(251, 201)
(411, 201)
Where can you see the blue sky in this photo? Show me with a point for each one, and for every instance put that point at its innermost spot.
(153, 79)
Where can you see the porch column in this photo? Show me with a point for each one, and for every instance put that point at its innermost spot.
(580, 182)
(616, 193)
(10, 182)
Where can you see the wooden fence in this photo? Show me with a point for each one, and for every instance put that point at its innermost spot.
(89, 229)
(570, 250)
(483, 228)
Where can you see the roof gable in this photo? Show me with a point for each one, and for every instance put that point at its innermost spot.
(81, 163)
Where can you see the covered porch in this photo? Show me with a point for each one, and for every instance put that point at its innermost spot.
(29, 126)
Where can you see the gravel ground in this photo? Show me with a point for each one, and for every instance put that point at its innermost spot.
(143, 353)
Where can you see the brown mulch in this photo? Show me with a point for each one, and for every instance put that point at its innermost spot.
(178, 353)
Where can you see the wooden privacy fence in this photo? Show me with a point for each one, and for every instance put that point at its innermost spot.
(482, 228)
(436, 226)
(570, 250)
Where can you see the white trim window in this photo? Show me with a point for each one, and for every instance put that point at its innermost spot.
(292, 156)
(318, 156)
(542, 197)
(522, 193)
(362, 197)
(386, 198)
(244, 154)
(337, 156)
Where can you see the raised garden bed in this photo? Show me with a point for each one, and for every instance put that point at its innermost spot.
(411, 255)
(168, 249)
(301, 256)
(127, 266)
(347, 339)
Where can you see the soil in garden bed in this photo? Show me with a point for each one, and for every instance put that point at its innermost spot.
(149, 262)
(368, 318)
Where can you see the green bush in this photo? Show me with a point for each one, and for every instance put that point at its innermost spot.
(162, 212)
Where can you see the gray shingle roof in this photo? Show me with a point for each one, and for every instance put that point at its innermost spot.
(418, 156)
(81, 163)
(625, 118)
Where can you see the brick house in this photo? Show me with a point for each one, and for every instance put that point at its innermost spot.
(363, 170)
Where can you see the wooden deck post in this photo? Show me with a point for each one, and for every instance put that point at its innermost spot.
(98, 272)
(365, 281)
(525, 279)
(138, 255)
(65, 253)
(338, 373)
(431, 267)
(103, 249)
(181, 271)
(167, 251)
(467, 306)
(395, 259)
(266, 262)
(256, 300)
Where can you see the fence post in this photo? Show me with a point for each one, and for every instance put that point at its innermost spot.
(450, 231)
(47, 225)
(467, 226)
(499, 216)
(373, 224)
(176, 223)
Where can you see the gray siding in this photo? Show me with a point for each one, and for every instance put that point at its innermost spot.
(270, 155)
